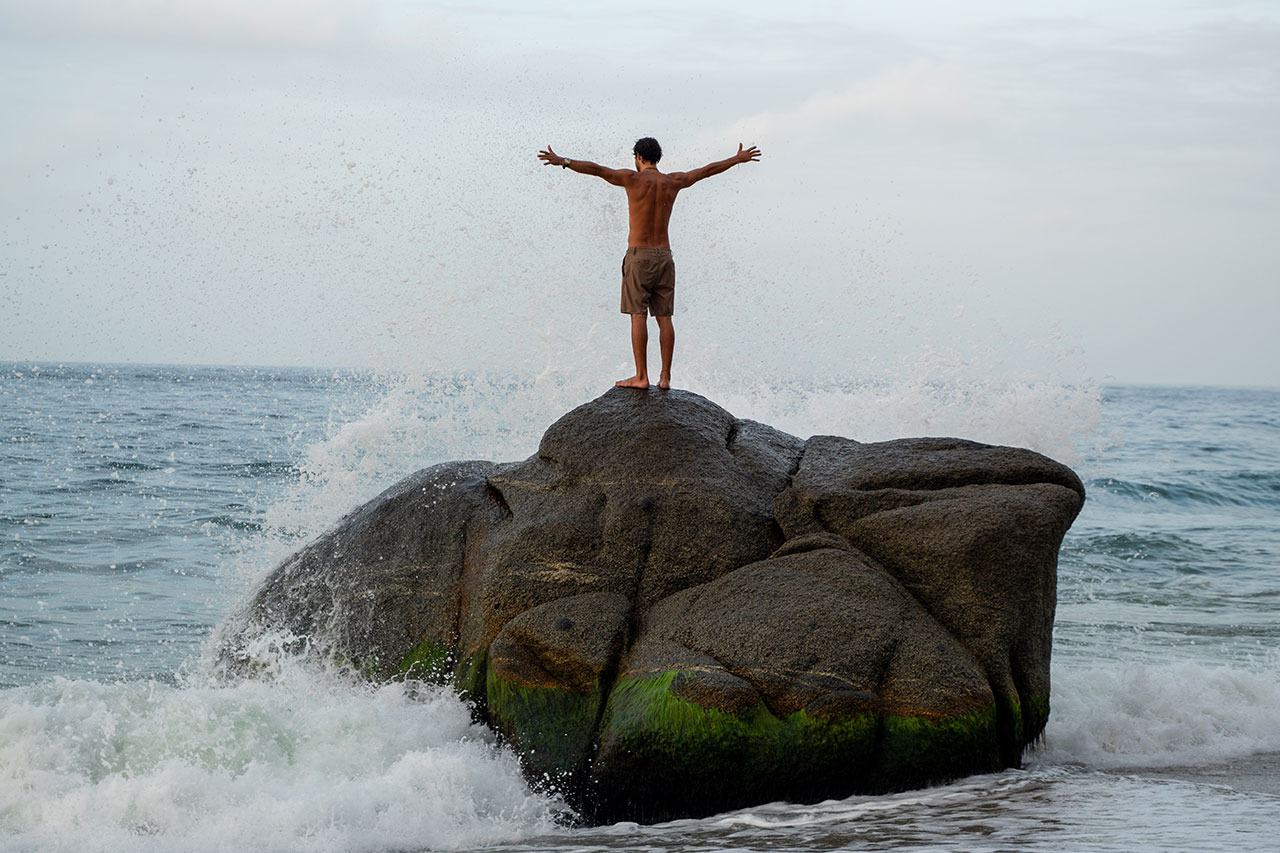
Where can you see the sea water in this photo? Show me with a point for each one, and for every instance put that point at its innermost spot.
(139, 504)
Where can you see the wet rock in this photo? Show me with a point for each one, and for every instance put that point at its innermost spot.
(668, 611)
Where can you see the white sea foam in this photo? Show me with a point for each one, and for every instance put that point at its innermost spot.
(1160, 715)
(418, 419)
(307, 761)
(1045, 415)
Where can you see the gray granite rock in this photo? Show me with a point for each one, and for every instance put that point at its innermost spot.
(668, 611)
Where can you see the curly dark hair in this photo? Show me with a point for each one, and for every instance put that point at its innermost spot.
(648, 150)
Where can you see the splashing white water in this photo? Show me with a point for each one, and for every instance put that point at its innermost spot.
(1167, 715)
(306, 761)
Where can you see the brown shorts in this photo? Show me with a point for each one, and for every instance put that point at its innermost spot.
(648, 281)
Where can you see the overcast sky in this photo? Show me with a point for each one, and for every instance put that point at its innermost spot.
(1002, 186)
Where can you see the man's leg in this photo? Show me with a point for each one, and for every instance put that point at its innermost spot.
(640, 349)
(667, 344)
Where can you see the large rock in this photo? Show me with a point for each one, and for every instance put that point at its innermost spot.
(668, 611)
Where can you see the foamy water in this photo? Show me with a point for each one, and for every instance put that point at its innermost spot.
(1158, 716)
(307, 760)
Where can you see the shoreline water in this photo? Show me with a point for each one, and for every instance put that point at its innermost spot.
(1255, 774)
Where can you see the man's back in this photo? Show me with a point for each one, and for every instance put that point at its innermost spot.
(650, 197)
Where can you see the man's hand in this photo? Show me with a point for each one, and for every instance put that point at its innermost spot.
(747, 156)
(551, 158)
(617, 177)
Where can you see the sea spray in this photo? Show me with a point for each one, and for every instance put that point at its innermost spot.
(416, 419)
(306, 760)
(1166, 715)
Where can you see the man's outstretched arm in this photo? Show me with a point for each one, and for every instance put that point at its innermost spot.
(688, 179)
(584, 167)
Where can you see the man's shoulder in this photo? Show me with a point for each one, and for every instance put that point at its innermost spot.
(679, 180)
(654, 177)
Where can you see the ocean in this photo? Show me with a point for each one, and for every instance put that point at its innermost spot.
(138, 504)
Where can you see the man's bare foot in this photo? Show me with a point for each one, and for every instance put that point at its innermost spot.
(633, 382)
(664, 380)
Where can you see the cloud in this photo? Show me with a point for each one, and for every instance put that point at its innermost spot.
(289, 23)
(911, 93)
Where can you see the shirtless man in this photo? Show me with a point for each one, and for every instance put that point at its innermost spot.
(648, 273)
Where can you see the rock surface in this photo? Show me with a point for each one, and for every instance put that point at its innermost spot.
(668, 611)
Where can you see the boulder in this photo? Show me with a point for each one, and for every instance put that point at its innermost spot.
(668, 611)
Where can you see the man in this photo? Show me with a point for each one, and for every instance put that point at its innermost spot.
(648, 272)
